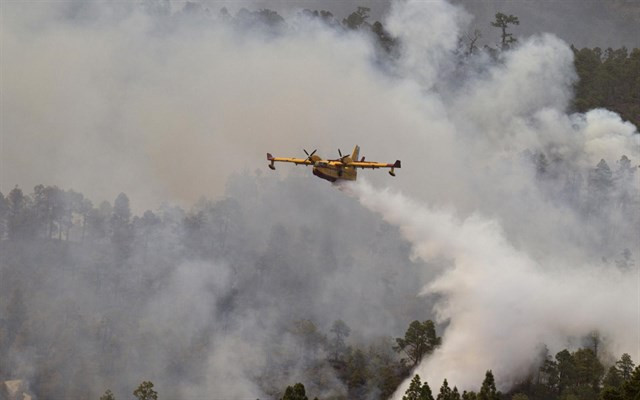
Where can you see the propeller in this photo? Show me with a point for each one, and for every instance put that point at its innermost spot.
(342, 157)
(309, 155)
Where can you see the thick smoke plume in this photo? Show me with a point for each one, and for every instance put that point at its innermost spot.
(510, 224)
(500, 304)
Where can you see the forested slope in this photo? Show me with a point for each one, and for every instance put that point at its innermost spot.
(285, 280)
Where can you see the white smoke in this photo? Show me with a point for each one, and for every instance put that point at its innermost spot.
(499, 303)
(164, 109)
(526, 270)
(427, 46)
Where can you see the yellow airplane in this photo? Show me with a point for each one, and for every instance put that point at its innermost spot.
(343, 168)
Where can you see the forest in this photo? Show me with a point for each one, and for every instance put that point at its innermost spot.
(132, 269)
(106, 299)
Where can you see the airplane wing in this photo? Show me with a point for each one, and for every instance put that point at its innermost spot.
(369, 164)
(297, 161)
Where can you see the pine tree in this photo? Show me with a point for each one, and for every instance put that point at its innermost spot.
(108, 395)
(445, 392)
(469, 395)
(356, 369)
(418, 391)
(337, 344)
(488, 389)
(21, 223)
(425, 392)
(601, 180)
(589, 370)
(357, 18)
(419, 340)
(610, 393)
(145, 391)
(566, 370)
(122, 232)
(503, 21)
(413, 393)
(631, 388)
(613, 378)
(295, 392)
(625, 366)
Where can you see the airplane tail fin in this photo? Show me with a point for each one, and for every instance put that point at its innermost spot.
(356, 152)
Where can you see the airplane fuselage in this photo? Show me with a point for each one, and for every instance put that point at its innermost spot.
(331, 173)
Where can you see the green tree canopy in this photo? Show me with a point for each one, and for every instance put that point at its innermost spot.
(631, 388)
(625, 366)
(503, 21)
(488, 390)
(613, 378)
(566, 370)
(145, 391)
(108, 395)
(357, 18)
(419, 340)
(609, 79)
(21, 221)
(295, 392)
(589, 369)
(417, 390)
(445, 392)
(469, 395)
(610, 393)
(356, 369)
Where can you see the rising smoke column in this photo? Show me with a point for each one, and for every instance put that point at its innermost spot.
(499, 303)
(526, 262)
